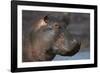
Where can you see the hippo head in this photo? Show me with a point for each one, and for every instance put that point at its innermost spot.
(49, 37)
(64, 44)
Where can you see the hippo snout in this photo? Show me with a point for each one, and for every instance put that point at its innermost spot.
(67, 48)
(75, 49)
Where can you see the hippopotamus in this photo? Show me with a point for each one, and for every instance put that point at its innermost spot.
(49, 37)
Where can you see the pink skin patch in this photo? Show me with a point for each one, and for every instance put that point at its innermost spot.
(40, 24)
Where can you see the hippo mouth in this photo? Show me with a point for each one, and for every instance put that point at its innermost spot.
(66, 52)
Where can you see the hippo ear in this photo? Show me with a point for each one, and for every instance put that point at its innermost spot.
(46, 19)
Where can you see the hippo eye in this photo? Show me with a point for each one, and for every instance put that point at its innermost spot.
(56, 26)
